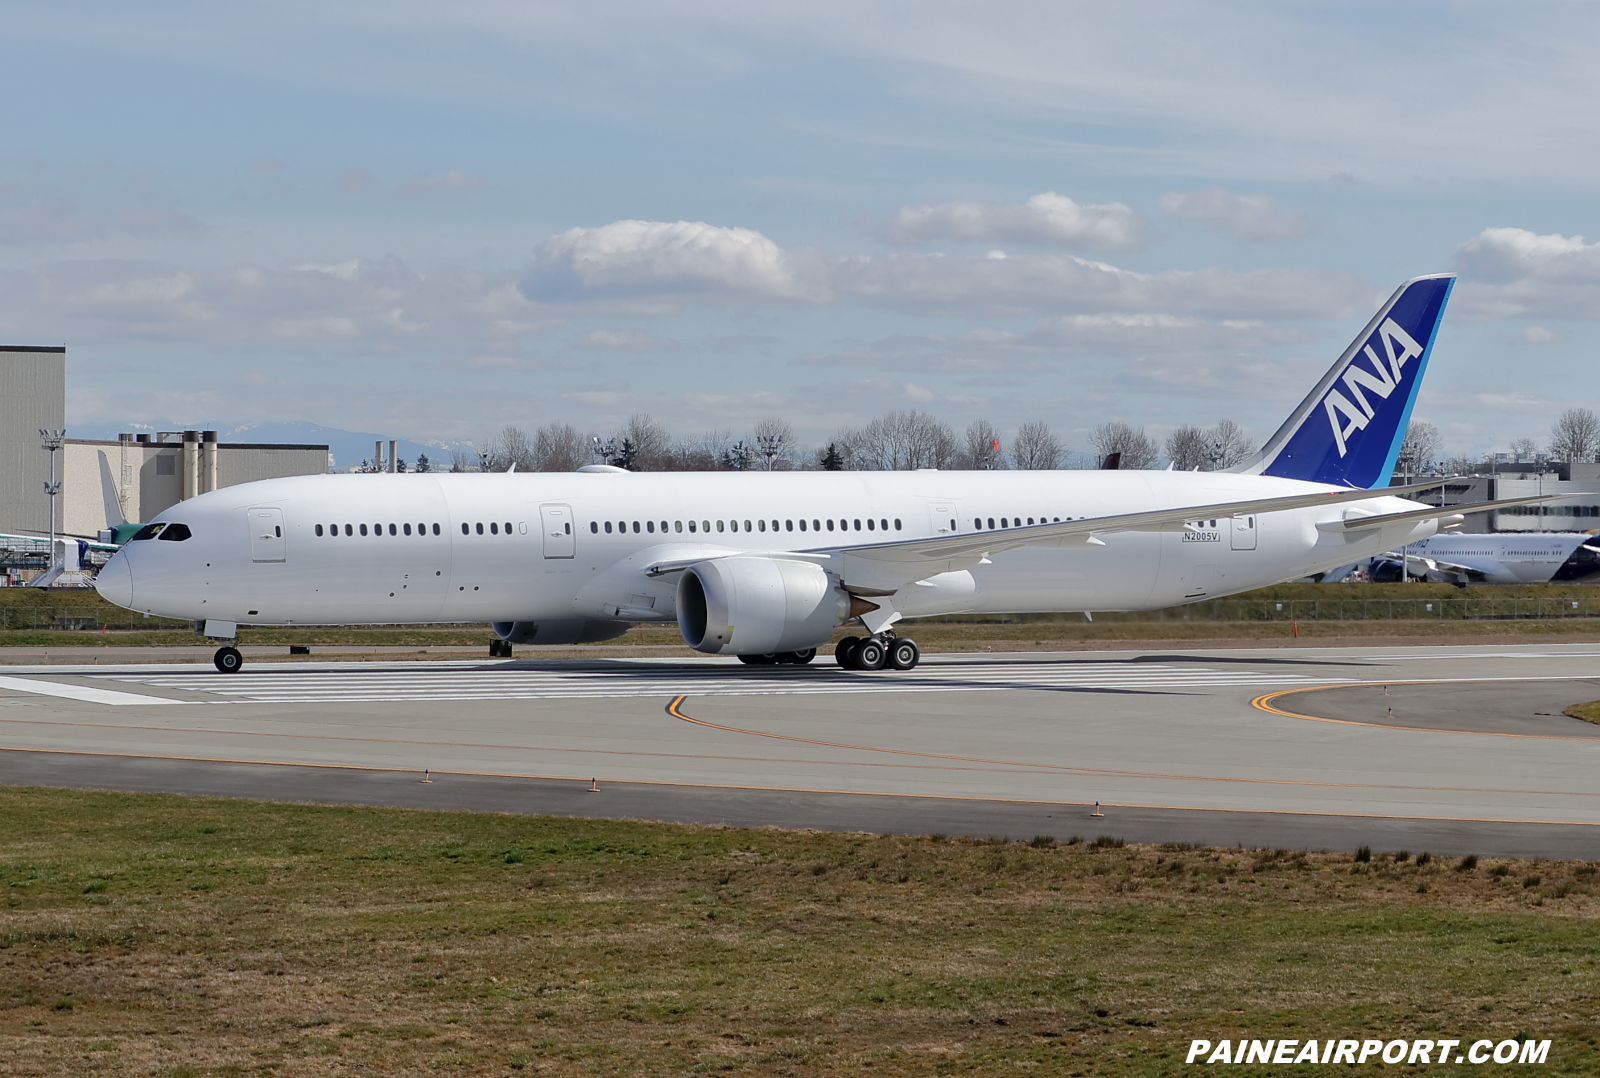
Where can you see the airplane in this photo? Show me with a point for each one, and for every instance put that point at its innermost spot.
(767, 565)
(1495, 558)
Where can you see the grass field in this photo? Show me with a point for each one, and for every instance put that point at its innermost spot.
(172, 936)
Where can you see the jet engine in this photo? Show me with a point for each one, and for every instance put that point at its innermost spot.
(757, 606)
(564, 631)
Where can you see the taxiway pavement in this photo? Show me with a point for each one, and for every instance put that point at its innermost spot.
(1451, 749)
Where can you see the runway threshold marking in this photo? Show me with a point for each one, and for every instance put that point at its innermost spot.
(675, 709)
(1264, 703)
(86, 693)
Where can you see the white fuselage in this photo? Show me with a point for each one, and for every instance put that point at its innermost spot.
(529, 546)
(1505, 557)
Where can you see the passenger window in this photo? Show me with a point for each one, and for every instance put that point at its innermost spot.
(347, 529)
(480, 527)
(830, 524)
(1030, 520)
(763, 525)
(177, 533)
(896, 523)
(319, 531)
(407, 529)
(436, 529)
(464, 529)
(508, 528)
(774, 525)
(991, 522)
(363, 529)
(277, 530)
(494, 529)
(567, 528)
(636, 527)
(691, 525)
(788, 525)
(608, 527)
(719, 525)
(663, 527)
(748, 528)
(392, 530)
(594, 527)
(816, 525)
(1003, 523)
(705, 525)
(858, 525)
(677, 526)
(869, 524)
(650, 526)
(802, 525)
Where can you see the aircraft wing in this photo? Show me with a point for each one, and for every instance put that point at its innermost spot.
(969, 548)
(1459, 512)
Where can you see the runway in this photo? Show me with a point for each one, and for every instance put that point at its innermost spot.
(1446, 748)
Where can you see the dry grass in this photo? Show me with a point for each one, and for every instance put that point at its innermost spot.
(1589, 712)
(159, 935)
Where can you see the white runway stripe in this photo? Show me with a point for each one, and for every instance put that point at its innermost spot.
(497, 683)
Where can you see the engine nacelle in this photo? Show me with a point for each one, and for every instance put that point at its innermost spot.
(757, 606)
(564, 631)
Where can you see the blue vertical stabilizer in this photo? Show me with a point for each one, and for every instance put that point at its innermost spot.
(1349, 430)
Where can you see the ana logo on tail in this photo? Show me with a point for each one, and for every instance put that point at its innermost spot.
(1381, 379)
(1347, 431)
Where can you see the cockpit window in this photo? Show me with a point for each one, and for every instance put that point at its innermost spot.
(175, 533)
(149, 531)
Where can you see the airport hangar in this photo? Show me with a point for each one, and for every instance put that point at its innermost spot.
(1451, 749)
(104, 484)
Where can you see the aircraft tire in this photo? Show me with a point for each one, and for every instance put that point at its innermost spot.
(845, 652)
(904, 654)
(228, 660)
(870, 655)
(799, 658)
(760, 660)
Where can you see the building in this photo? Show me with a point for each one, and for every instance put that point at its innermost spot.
(137, 476)
(33, 397)
(105, 483)
(1578, 509)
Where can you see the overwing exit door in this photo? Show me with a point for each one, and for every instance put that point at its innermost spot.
(942, 517)
(560, 537)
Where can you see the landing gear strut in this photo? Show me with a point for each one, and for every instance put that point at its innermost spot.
(500, 649)
(876, 652)
(228, 659)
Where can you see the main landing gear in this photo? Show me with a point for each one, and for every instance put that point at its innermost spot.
(228, 659)
(877, 652)
(785, 658)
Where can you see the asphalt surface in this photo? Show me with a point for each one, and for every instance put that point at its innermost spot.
(1446, 749)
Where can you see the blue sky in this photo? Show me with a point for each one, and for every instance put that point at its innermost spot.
(430, 221)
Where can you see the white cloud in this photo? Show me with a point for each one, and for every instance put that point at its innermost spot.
(1060, 284)
(1158, 332)
(625, 340)
(1244, 217)
(1509, 272)
(1541, 335)
(673, 261)
(1044, 218)
(443, 183)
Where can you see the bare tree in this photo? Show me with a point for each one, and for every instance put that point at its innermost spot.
(1460, 464)
(1036, 448)
(774, 441)
(1418, 448)
(509, 447)
(1575, 436)
(561, 447)
(900, 441)
(462, 461)
(980, 448)
(706, 453)
(1138, 449)
(1230, 445)
(649, 444)
(1187, 448)
(1524, 449)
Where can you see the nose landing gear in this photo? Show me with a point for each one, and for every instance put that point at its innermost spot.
(228, 659)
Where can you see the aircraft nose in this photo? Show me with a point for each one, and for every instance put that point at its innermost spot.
(115, 581)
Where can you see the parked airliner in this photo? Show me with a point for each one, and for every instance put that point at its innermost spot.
(1496, 558)
(767, 565)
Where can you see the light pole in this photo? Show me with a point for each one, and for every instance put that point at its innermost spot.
(50, 441)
